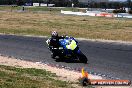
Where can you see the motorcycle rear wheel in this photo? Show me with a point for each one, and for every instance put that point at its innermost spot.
(82, 58)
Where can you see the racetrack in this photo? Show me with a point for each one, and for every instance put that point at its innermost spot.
(111, 59)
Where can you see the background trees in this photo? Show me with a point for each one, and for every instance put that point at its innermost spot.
(68, 3)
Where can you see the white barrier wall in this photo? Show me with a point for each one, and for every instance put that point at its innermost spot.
(77, 13)
(35, 4)
(97, 13)
(42, 4)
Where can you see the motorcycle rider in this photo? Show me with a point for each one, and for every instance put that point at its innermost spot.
(64, 47)
(53, 42)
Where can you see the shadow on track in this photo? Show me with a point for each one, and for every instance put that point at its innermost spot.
(68, 60)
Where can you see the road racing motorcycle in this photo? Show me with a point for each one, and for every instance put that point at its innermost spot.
(68, 49)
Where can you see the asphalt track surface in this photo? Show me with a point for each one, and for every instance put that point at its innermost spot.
(106, 59)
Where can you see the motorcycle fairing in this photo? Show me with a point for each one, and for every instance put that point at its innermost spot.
(68, 43)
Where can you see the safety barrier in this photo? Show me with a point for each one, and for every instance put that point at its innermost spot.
(97, 13)
(105, 15)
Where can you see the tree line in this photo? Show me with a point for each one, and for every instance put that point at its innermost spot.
(22, 2)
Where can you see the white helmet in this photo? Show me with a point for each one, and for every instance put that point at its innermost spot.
(54, 34)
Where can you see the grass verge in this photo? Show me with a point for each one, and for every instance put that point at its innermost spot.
(38, 8)
(12, 77)
(37, 23)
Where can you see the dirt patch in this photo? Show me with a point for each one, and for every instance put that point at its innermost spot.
(63, 74)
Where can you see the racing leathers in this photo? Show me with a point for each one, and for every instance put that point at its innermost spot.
(54, 42)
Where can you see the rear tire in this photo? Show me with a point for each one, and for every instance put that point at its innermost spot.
(82, 58)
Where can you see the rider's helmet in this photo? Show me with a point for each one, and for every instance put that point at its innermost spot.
(54, 34)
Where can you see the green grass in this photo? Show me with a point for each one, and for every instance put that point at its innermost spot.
(35, 23)
(49, 9)
(10, 8)
(14, 8)
(12, 77)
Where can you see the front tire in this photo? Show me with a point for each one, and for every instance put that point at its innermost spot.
(53, 55)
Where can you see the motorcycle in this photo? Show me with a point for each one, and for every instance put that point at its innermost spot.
(68, 49)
